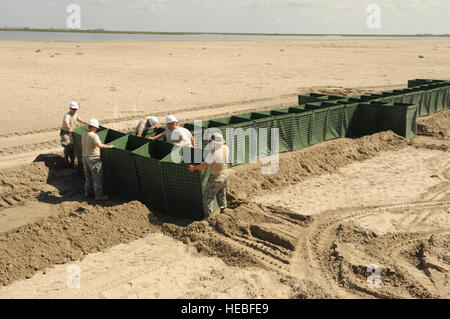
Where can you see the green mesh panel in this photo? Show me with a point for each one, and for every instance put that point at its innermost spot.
(309, 98)
(400, 118)
(369, 119)
(184, 189)
(319, 125)
(149, 173)
(120, 170)
(303, 123)
(350, 120)
(334, 122)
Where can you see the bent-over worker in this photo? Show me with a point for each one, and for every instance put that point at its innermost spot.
(176, 134)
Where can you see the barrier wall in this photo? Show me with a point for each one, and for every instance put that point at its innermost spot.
(142, 169)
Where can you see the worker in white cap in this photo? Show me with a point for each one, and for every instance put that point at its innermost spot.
(216, 187)
(149, 122)
(175, 134)
(93, 170)
(70, 122)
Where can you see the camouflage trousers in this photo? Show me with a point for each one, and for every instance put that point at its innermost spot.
(67, 143)
(216, 186)
(93, 173)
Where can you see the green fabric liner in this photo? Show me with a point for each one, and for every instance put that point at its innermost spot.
(120, 167)
(149, 173)
(398, 117)
(184, 189)
(350, 120)
(334, 122)
(309, 97)
(319, 124)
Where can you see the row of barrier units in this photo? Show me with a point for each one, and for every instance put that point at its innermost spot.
(138, 168)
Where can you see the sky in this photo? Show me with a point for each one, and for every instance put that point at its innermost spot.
(241, 16)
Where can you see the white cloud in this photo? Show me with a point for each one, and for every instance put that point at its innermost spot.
(282, 16)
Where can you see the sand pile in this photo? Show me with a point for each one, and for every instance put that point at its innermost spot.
(69, 236)
(436, 125)
(318, 159)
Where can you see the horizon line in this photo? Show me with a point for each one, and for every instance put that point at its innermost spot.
(101, 30)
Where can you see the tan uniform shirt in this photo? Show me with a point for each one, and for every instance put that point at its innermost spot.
(142, 126)
(180, 136)
(89, 142)
(70, 121)
(218, 161)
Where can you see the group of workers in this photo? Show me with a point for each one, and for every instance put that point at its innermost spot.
(217, 160)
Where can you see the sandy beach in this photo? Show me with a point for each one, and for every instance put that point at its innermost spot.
(308, 231)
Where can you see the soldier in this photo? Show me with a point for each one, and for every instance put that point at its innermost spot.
(175, 134)
(92, 163)
(150, 122)
(217, 161)
(70, 121)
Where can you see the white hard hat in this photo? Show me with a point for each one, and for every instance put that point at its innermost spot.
(171, 119)
(94, 123)
(153, 120)
(217, 138)
(73, 105)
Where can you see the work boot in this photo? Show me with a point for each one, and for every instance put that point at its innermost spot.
(226, 210)
(72, 162)
(208, 215)
(66, 161)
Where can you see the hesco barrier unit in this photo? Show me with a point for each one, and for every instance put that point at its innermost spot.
(138, 168)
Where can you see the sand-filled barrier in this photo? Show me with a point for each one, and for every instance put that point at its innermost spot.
(137, 162)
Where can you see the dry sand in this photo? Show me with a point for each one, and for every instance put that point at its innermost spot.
(309, 231)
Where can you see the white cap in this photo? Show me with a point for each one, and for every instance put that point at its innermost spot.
(94, 123)
(73, 105)
(153, 120)
(171, 119)
(217, 138)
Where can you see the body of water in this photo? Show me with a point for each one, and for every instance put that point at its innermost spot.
(74, 36)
